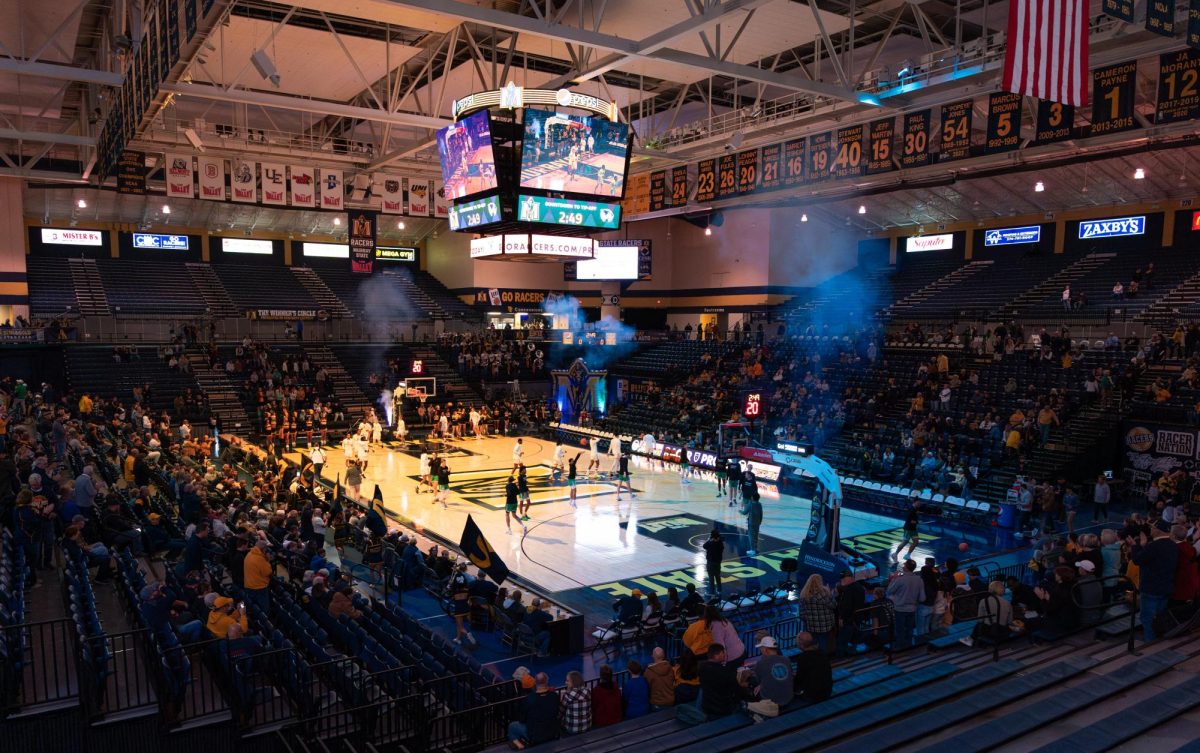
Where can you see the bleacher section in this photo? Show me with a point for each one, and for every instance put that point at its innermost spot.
(396, 294)
(264, 287)
(51, 289)
(95, 370)
(150, 288)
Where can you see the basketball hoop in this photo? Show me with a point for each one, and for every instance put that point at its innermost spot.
(417, 392)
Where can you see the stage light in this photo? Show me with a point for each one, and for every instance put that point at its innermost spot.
(862, 208)
(708, 231)
(337, 221)
(1139, 174)
(82, 203)
(166, 209)
(1039, 187)
(265, 66)
(804, 217)
(400, 225)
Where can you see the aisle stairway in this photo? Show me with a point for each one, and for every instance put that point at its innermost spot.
(932, 289)
(89, 289)
(215, 296)
(222, 394)
(1054, 284)
(345, 388)
(321, 293)
(1164, 313)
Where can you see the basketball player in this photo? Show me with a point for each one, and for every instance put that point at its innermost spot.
(560, 456)
(734, 471)
(510, 505)
(362, 453)
(401, 430)
(685, 467)
(376, 432)
(623, 476)
(722, 470)
(601, 178)
(443, 477)
(594, 457)
(424, 471)
(571, 477)
(518, 452)
(909, 532)
(523, 490)
(475, 422)
(614, 451)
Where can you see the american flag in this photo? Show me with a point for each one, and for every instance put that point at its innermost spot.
(1047, 54)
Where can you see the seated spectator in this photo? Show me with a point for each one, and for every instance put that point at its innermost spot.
(629, 608)
(635, 696)
(773, 673)
(720, 692)
(74, 544)
(606, 700)
(341, 604)
(239, 646)
(164, 611)
(693, 603)
(575, 705)
(483, 588)
(118, 528)
(537, 716)
(158, 540)
(661, 679)
(687, 678)
(223, 614)
(995, 616)
(814, 674)
(539, 621)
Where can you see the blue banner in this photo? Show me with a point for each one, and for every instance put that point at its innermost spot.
(161, 242)
(1011, 236)
(1117, 227)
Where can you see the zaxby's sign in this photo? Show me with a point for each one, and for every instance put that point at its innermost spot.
(1117, 227)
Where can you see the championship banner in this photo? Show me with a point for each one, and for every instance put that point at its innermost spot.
(1004, 122)
(882, 133)
(363, 224)
(332, 189)
(418, 197)
(392, 193)
(915, 150)
(637, 195)
(304, 187)
(1160, 17)
(131, 173)
(956, 130)
(481, 554)
(212, 178)
(1113, 90)
(1178, 97)
(441, 203)
(243, 182)
(1055, 122)
(274, 183)
(180, 176)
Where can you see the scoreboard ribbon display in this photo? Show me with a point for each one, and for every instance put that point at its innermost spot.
(956, 130)
(915, 150)
(1178, 94)
(1004, 122)
(1113, 90)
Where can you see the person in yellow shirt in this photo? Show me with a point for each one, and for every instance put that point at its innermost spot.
(85, 405)
(224, 613)
(943, 363)
(257, 571)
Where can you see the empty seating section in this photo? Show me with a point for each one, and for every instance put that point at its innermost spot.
(975, 298)
(396, 295)
(264, 287)
(51, 289)
(142, 287)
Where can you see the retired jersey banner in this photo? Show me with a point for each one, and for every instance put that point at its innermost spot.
(882, 133)
(274, 183)
(441, 202)
(1160, 17)
(1113, 91)
(1004, 122)
(418, 197)
(304, 186)
(914, 151)
(1122, 9)
(332, 190)
(1178, 90)
(1193, 24)
(679, 186)
(1055, 122)
(181, 178)
(956, 130)
(212, 178)
(243, 182)
(391, 190)
(363, 224)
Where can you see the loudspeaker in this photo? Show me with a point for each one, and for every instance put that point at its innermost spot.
(789, 565)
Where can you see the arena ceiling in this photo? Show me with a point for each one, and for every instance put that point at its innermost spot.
(362, 84)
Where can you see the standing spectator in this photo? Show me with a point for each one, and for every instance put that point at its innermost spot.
(1101, 497)
(635, 696)
(661, 679)
(814, 674)
(906, 591)
(575, 705)
(537, 716)
(851, 597)
(687, 678)
(818, 610)
(752, 509)
(606, 700)
(85, 491)
(714, 553)
(256, 574)
(1156, 559)
(1187, 576)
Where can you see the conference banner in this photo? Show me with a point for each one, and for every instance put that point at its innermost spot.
(332, 190)
(181, 178)
(418, 197)
(441, 203)
(304, 186)
(658, 190)
(212, 178)
(274, 183)
(392, 194)
(243, 182)
(363, 225)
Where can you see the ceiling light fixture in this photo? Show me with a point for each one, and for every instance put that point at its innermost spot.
(337, 221)
(1139, 174)
(82, 203)
(166, 209)
(400, 225)
(1039, 187)
(862, 208)
(708, 231)
(804, 217)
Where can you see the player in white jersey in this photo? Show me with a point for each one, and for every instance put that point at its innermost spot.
(593, 456)
(401, 430)
(475, 422)
(560, 461)
(614, 452)
(518, 452)
(424, 471)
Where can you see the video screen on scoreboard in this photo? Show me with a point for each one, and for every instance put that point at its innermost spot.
(609, 263)
(574, 153)
(468, 163)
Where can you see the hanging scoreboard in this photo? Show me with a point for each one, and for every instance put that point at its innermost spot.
(1004, 122)
(879, 156)
(914, 151)
(1113, 90)
(818, 157)
(956, 130)
(1055, 122)
(747, 171)
(770, 167)
(727, 176)
(847, 153)
(658, 190)
(1178, 93)
(679, 186)
(793, 162)
(706, 180)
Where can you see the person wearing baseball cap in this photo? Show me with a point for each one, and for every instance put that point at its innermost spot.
(225, 613)
(774, 673)
(1089, 592)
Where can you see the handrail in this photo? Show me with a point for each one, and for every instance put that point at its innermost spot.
(873, 612)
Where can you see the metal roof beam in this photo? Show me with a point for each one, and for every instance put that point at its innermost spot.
(60, 72)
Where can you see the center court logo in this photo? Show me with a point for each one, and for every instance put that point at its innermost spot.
(1139, 439)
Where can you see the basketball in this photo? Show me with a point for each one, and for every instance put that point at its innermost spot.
(582, 442)
(963, 547)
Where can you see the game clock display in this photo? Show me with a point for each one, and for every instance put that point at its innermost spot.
(568, 212)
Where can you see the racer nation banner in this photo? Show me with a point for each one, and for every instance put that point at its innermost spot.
(363, 224)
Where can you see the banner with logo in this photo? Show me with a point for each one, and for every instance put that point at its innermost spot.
(243, 182)
(363, 223)
(181, 178)
(476, 548)
(332, 189)
(274, 183)
(212, 178)
(418, 197)
(1152, 448)
(441, 202)
(391, 190)
(304, 186)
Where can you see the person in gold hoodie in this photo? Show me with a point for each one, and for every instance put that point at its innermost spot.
(224, 613)
(256, 573)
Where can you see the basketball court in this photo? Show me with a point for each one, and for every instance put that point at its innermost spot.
(556, 175)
